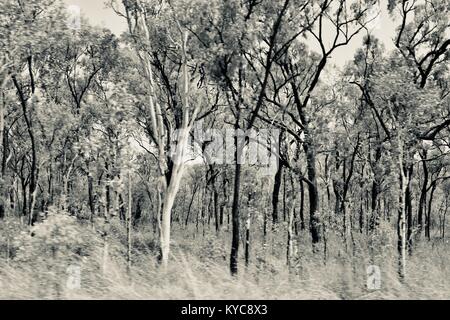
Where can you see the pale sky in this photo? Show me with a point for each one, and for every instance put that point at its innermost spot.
(98, 14)
(382, 27)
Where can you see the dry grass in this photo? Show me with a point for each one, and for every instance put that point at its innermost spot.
(199, 270)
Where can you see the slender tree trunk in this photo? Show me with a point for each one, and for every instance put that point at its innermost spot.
(222, 207)
(408, 209)
(247, 238)
(423, 194)
(33, 175)
(374, 210)
(24, 197)
(401, 226)
(235, 219)
(129, 225)
(315, 225)
(430, 201)
(108, 198)
(33, 217)
(276, 192)
(91, 196)
(190, 205)
(444, 218)
(13, 193)
(302, 206)
(375, 190)
(264, 225)
(284, 196)
(29, 124)
(215, 197)
(290, 236)
(3, 148)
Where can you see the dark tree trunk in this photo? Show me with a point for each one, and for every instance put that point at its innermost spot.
(423, 193)
(408, 208)
(276, 192)
(430, 202)
(122, 214)
(247, 242)
(222, 207)
(24, 197)
(375, 190)
(107, 193)
(33, 167)
(235, 207)
(215, 192)
(190, 205)
(314, 220)
(302, 206)
(337, 187)
(91, 196)
(216, 208)
(235, 221)
(4, 141)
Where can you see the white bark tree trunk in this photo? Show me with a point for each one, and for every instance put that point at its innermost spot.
(129, 225)
(166, 193)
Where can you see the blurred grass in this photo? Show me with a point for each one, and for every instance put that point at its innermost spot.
(198, 268)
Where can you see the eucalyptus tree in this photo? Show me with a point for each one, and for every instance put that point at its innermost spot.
(408, 96)
(328, 25)
(165, 53)
(37, 27)
(422, 41)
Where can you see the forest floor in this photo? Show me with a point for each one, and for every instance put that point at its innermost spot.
(42, 266)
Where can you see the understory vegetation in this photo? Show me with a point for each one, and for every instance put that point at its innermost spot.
(199, 267)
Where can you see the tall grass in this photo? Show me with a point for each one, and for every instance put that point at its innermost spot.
(198, 266)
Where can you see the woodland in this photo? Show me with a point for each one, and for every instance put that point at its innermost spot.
(115, 182)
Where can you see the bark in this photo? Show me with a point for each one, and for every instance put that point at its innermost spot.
(290, 237)
(91, 196)
(313, 192)
(284, 196)
(302, 206)
(430, 201)
(264, 225)
(216, 207)
(121, 208)
(215, 195)
(347, 180)
(423, 193)
(170, 171)
(24, 185)
(65, 190)
(309, 148)
(190, 204)
(4, 150)
(29, 124)
(276, 192)
(170, 194)
(235, 219)
(247, 239)
(401, 226)
(444, 217)
(375, 190)
(337, 186)
(129, 225)
(408, 209)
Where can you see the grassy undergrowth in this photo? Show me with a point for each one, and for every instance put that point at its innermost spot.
(38, 266)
